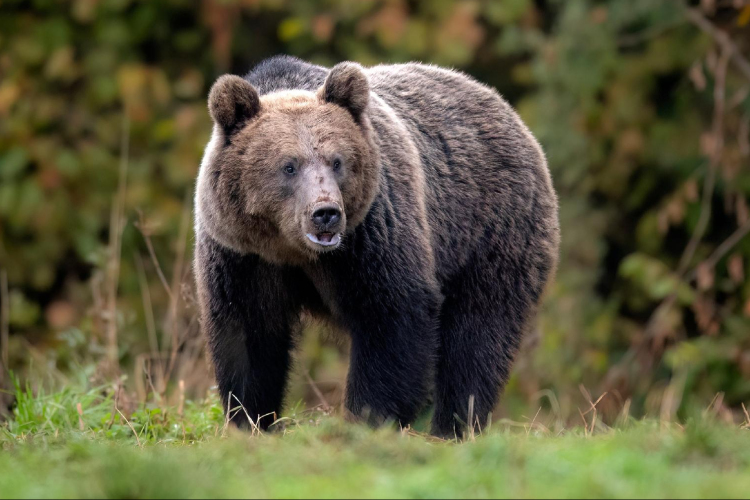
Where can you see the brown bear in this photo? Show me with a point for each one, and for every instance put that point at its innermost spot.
(407, 204)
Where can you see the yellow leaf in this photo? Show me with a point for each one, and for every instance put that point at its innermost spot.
(9, 93)
(744, 17)
(291, 28)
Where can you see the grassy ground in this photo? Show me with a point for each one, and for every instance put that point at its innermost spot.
(53, 447)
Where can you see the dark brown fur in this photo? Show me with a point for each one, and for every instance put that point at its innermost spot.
(450, 234)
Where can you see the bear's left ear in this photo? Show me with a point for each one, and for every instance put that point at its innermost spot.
(347, 86)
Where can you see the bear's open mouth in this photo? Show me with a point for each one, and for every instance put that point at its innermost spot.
(325, 239)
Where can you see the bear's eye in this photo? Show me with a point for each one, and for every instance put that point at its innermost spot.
(336, 164)
(289, 169)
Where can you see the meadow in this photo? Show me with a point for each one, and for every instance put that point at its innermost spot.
(78, 443)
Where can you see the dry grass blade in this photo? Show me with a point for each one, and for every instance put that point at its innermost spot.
(592, 409)
(423, 435)
(181, 405)
(253, 425)
(508, 423)
(585, 423)
(624, 416)
(318, 394)
(672, 398)
(148, 308)
(714, 406)
(118, 388)
(79, 410)
(174, 341)
(137, 439)
(141, 225)
(472, 436)
(592, 406)
(116, 225)
(555, 406)
(177, 272)
(533, 421)
(226, 416)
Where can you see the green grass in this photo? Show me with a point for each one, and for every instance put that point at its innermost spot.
(46, 454)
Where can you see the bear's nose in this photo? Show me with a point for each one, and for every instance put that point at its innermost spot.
(326, 217)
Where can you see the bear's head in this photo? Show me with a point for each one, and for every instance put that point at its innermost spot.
(287, 175)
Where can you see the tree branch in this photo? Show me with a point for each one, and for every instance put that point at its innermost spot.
(721, 38)
(720, 78)
(721, 250)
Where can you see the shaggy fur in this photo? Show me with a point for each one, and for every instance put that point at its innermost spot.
(449, 235)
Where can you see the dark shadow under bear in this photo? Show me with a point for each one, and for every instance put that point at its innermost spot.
(449, 235)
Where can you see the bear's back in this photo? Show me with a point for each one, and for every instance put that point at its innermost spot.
(412, 86)
(286, 73)
(482, 167)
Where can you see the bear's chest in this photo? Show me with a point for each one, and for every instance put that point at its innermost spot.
(347, 282)
(326, 287)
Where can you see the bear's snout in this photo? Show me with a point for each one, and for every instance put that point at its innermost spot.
(325, 225)
(327, 218)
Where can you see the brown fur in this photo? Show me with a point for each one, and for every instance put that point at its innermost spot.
(291, 125)
(450, 233)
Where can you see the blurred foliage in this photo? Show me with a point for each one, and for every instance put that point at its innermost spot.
(97, 95)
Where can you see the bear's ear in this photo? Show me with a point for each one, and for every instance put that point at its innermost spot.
(232, 101)
(347, 86)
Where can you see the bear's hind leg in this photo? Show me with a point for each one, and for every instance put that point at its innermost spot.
(482, 321)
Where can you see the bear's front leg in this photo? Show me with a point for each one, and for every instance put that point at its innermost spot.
(392, 364)
(248, 315)
(391, 314)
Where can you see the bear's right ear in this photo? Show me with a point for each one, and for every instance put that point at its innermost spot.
(232, 101)
(347, 86)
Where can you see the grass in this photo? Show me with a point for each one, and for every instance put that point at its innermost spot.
(77, 444)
